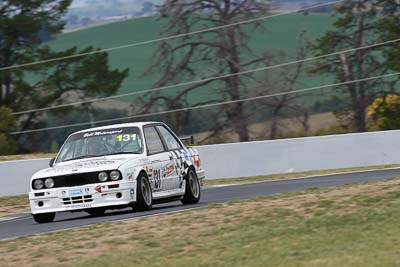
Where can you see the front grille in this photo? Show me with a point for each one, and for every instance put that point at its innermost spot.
(77, 200)
(75, 180)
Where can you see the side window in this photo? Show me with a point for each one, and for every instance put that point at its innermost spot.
(169, 138)
(153, 141)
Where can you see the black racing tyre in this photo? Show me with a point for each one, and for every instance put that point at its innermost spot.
(44, 217)
(144, 198)
(192, 188)
(96, 211)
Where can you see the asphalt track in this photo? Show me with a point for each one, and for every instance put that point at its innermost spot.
(25, 225)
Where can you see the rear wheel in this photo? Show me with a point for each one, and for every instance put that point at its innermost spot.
(192, 189)
(96, 211)
(44, 217)
(144, 199)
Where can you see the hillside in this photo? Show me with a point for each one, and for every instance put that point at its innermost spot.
(281, 33)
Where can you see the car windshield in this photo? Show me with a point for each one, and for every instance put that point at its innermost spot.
(102, 142)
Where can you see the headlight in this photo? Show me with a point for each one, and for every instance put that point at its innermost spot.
(49, 182)
(114, 175)
(38, 184)
(103, 176)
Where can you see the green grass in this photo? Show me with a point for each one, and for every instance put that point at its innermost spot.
(281, 33)
(27, 156)
(352, 225)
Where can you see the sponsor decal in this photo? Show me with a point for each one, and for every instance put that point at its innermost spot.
(157, 179)
(144, 160)
(126, 137)
(186, 153)
(169, 169)
(81, 165)
(86, 190)
(99, 133)
(98, 188)
(79, 206)
(150, 172)
(75, 192)
(130, 175)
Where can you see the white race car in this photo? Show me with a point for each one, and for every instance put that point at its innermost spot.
(117, 166)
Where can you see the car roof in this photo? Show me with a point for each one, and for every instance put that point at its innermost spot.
(121, 125)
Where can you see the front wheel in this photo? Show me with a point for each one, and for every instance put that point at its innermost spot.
(192, 189)
(144, 199)
(44, 217)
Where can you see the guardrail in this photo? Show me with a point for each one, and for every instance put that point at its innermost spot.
(257, 158)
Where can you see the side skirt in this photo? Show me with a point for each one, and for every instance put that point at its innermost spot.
(168, 199)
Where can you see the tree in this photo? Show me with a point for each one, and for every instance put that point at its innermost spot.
(389, 29)
(73, 79)
(220, 51)
(22, 24)
(354, 27)
(7, 124)
(385, 112)
(288, 78)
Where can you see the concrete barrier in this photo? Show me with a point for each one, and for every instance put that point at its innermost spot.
(257, 158)
(300, 154)
(15, 175)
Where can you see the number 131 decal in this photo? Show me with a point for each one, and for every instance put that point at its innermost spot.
(126, 137)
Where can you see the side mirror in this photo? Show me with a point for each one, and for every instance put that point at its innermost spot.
(51, 163)
(187, 140)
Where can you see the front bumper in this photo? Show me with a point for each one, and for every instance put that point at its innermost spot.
(201, 175)
(82, 197)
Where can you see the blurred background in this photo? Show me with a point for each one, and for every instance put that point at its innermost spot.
(221, 70)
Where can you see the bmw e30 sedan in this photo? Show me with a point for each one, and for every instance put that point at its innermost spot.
(117, 166)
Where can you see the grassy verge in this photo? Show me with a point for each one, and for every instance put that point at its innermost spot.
(292, 175)
(19, 204)
(14, 205)
(27, 156)
(353, 225)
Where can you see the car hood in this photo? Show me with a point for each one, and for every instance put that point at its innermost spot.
(85, 165)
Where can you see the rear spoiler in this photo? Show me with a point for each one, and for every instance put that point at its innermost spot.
(187, 140)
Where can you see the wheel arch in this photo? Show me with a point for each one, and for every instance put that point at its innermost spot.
(142, 171)
(191, 167)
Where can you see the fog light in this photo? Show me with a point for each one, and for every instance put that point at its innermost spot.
(40, 203)
(119, 195)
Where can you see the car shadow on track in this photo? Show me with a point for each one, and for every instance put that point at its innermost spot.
(127, 213)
